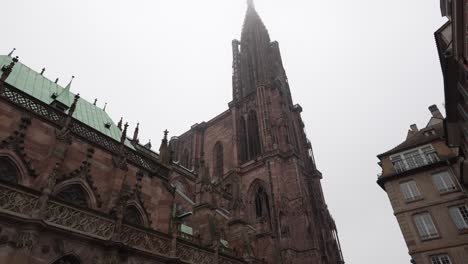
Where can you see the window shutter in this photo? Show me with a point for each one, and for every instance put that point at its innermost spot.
(438, 182)
(425, 226)
(410, 190)
(457, 217)
(420, 225)
(443, 181)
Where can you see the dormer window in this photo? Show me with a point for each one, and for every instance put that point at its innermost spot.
(57, 104)
(414, 158)
(429, 133)
(60, 106)
(108, 125)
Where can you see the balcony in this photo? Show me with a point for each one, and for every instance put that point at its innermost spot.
(413, 161)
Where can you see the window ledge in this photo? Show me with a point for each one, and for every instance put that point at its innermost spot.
(430, 238)
(414, 200)
(448, 192)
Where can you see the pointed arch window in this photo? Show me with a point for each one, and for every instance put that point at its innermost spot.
(8, 170)
(219, 160)
(261, 203)
(132, 216)
(68, 259)
(74, 194)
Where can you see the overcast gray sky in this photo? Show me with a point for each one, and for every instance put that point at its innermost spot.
(362, 70)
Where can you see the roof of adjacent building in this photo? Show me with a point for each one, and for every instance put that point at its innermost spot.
(418, 138)
(38, 86)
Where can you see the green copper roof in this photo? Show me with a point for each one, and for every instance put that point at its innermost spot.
(186, 229)
(38, 86)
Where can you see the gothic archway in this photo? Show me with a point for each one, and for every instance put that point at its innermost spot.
(79, 188)
(8, 170)
(259, 202)
(68, 259)
(262, 206)
(133, 216)
(74, 194)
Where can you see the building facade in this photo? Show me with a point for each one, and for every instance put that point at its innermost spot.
(452, 46)
(240, 188)
(421, 177)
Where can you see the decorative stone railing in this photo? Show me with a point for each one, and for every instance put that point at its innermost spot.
(21, 202)
(60, 215)
(145, 240)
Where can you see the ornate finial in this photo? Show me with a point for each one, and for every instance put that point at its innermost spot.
(6, 70)
(56, 80)
(135, 133)
(124, 133)
(11, 52)
(95, 101)
(69, 84)
(105, 105)
(73, 106)
(165, 134)
(119, 125)
(43, 70)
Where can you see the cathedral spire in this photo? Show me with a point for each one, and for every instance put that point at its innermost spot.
(251, 55)
(250, 4)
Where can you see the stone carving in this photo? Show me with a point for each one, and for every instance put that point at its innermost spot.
(194, 255)
(66, 217)
(15, 142)
(61, 215)
(26, 240)
(145, 241)
(16, 202)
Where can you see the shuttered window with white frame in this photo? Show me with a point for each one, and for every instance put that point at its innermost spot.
(410, 190)
(443, 181)
(459, 216)
(425, 226)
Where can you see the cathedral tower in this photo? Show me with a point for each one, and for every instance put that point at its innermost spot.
(260, 161)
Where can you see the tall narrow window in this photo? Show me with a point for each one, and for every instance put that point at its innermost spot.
(441, 259)
(185, 158)
(133, 216)
(74, 194)
(8, 171)
(443, 181)
(219, 160)
(243, 140)
(425, 225)
(410, 190)
(459, 215)
(253, 135)
(261, 203)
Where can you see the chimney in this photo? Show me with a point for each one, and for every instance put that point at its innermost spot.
(414, 128)
(435, 112)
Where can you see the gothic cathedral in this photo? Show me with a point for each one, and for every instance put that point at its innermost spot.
(241, 188)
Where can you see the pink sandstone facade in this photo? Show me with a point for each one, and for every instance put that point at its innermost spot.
(240, 188)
